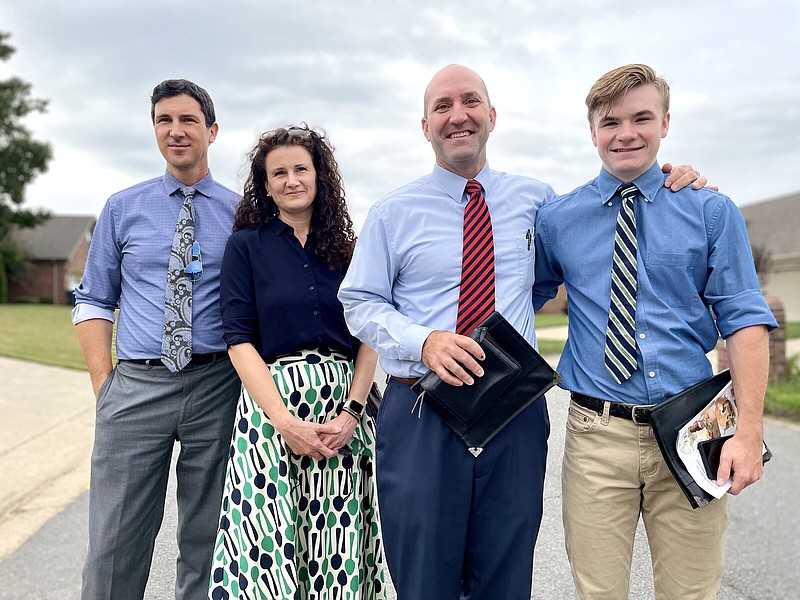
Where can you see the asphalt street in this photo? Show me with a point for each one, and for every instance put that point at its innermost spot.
(762, 544)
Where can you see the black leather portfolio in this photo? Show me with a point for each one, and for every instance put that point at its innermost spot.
(669, 417)
(515, 376)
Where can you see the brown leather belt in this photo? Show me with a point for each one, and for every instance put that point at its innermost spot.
(406, 380)
(638, 414)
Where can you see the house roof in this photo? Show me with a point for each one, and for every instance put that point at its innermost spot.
(56, 238)
(775, 224)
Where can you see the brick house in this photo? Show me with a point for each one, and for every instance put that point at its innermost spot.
(58, 248)
(774, 225)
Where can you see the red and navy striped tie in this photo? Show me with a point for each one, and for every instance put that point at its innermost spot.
(476, 296)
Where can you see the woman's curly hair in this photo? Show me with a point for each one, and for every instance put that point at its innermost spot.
(330, 221)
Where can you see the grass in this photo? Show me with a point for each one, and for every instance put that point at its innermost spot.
(40, 333)
(783, 399)
(550, 320)
(792, 330)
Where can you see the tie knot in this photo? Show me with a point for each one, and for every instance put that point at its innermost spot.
(473, 187)
(628, 191)
(187, 191)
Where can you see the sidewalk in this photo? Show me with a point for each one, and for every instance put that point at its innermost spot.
(46, 431)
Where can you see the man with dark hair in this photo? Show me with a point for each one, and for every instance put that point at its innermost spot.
(156, 257)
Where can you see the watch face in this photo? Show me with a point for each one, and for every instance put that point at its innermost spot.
(355, 406)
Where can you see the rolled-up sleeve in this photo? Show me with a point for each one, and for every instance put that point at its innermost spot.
(732, 289)
(97, 296)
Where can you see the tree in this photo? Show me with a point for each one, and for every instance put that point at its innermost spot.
(22, 158)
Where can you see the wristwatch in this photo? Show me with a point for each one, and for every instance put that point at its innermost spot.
(354, 407)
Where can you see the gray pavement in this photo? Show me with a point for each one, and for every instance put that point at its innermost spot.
(762, 544)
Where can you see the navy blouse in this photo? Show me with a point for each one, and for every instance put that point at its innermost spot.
(279, 296)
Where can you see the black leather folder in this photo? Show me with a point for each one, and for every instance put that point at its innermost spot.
(669, 417)
(515, 376)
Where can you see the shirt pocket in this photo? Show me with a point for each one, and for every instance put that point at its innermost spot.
(670, 276)
(525, 256)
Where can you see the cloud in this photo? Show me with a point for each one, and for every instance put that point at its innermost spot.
(358, 69)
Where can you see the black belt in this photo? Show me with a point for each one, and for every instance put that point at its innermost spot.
(197, 359)
(640, 415)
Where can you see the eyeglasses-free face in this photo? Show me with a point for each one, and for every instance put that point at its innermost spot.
(195, 268)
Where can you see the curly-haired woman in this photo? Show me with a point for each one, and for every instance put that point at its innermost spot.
(299, 515)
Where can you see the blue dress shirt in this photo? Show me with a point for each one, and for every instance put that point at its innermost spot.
(693, 254)
(279, 296)
(128, 258)
(404, 279)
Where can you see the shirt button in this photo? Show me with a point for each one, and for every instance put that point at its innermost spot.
(610, 204)
(652, 373)
(311, 287)
(305, 266)
(642, 336)
(316, 312)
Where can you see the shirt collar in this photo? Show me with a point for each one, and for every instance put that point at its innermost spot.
(205, 186)
(649, 183)
(453, 185)
(278, 227)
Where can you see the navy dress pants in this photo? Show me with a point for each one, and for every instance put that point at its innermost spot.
(457, 526)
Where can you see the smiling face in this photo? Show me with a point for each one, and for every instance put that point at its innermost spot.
(183, 137)
(292, 182)
(458, 119)
(628, 133)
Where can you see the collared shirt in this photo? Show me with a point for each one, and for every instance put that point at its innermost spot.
(128, 258)
(693, 255)
(279, 296)
(404, 279)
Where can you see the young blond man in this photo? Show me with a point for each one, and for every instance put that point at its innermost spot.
(641, 274)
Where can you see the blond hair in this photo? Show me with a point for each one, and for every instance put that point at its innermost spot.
(620, 81)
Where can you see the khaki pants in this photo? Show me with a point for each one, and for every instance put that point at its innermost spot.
(613, 472)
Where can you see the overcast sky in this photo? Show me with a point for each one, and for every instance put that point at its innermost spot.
(358, 69)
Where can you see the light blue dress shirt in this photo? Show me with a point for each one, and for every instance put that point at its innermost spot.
(693, 254)
(128, 258)
(404, 279)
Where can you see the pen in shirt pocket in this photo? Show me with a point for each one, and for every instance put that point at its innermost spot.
(529, 237)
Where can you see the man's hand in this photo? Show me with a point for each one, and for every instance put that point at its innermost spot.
(454, 358)
(683, 175)
(741, 458)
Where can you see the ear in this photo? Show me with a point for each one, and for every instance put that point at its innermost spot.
(425, 129)
(593, 134)
(212, 133)
(665, 126)
(492, 118)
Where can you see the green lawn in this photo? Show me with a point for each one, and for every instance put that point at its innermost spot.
(543, 320)
(41, 333)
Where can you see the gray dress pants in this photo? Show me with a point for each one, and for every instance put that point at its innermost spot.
(141, 412)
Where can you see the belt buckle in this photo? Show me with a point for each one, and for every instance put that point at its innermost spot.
(636, 408)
